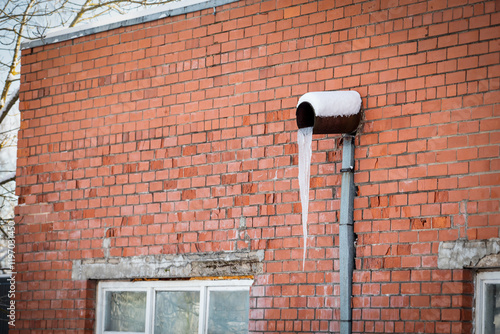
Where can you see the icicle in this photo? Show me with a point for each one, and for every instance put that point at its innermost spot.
(304, 141)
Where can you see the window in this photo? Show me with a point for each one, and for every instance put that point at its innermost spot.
(181, 307)
(488, 303)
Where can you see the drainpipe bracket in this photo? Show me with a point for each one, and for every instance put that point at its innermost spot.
(349, 223)
(349, 169)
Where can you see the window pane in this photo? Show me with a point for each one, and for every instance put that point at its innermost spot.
(228, 312)
(177, 312)
(125, 311)
(492, 309)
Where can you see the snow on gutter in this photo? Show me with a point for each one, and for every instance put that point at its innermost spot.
(333, 103)
(174, 8)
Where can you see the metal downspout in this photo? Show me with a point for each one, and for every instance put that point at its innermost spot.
(346, 235)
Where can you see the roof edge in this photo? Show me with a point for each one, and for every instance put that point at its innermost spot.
(152, 14)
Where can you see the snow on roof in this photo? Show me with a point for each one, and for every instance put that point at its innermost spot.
(333, 103)
(177, 7)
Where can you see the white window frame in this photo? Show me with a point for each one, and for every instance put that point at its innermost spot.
(483, 278)
(150, 287)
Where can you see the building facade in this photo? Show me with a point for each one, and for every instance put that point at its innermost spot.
(157, 166)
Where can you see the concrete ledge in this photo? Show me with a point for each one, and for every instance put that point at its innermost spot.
(462, 253)
(170, 266)
(172, 9)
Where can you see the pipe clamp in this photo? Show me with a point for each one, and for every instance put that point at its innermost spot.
(349, 169)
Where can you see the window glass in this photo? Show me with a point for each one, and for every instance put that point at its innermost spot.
(173, 307)
(492, 308)
(228, 312)
(177, 312)
(125, 311)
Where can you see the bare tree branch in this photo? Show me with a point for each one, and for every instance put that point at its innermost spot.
(109, 5)
(4, 110)
(8, 177)
(15, 59)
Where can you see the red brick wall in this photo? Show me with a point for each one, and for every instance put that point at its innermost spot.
(164, 137)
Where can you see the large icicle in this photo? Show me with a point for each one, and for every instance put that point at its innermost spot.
(304, 141)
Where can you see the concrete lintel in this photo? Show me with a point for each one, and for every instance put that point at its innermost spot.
(171, 9)
(171, 266)
(463, 253)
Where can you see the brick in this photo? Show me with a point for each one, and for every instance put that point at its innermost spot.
(186, 133)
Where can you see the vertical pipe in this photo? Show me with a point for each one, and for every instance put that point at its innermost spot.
(346, 235)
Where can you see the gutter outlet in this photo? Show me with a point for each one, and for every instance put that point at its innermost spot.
(326, 113)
